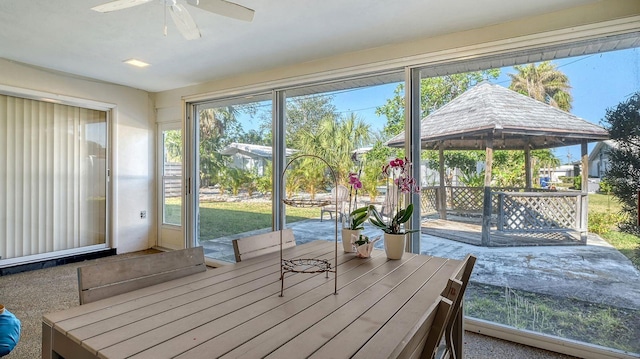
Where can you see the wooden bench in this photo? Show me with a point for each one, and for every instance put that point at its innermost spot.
(103, 280)
(253, 246)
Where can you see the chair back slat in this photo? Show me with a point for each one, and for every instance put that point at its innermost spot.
(253, 246)
(106, 279)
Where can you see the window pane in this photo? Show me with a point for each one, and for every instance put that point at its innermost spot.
(172, 177)
(235, 158)
(535, 273)
(346, 125)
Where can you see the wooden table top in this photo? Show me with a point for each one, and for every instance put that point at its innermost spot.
(235, 311)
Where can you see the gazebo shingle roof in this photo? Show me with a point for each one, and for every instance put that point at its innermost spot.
(514, 120)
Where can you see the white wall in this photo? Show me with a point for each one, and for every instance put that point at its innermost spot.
(132, 146)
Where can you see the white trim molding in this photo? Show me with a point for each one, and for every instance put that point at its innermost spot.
(544, 341)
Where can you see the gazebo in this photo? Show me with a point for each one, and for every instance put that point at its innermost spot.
(492, 117)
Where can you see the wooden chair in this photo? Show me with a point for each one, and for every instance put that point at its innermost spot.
(423, 340)
(442, 324)
(253, 246)
(463, 275)
(110, 278)
(445, 314)
(343, 199)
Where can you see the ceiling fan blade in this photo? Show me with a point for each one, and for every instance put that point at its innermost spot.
(184, 22)
(118, 5)
(224, 8)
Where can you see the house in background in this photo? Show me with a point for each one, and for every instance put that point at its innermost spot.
(599, 158)
(251, 157)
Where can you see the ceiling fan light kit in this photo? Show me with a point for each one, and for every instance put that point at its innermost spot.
(180, 15)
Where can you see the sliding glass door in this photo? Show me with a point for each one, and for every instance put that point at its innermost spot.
(53, 177)
(232, 180)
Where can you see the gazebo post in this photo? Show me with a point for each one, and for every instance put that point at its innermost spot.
(442, 199)
(527, 168)
(486, 203)
(585, 167)
(585, 191)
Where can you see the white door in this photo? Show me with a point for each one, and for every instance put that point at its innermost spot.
(171, 189)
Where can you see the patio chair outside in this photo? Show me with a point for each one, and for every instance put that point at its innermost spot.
(390, 202)
(343, 199)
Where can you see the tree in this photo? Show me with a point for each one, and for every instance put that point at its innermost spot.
(544, 83)
(466, 161)
(173, 145)
(305, 113)
(623, 124)
(218, 127)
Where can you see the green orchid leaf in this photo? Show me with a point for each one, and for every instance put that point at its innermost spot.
(359, 210)
(405, 214)
(377, 223)
(377, 216)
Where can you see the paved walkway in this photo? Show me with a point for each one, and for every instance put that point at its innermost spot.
(596, 272)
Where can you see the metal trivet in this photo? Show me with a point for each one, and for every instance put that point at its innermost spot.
(304, 265)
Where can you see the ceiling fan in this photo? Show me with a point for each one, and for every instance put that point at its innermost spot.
(181, 17)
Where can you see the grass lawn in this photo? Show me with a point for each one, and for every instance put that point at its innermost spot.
(221, 219)
(604, 208)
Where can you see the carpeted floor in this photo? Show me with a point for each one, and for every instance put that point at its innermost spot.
(29, 295)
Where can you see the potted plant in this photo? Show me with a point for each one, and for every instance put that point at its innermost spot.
(364, 246)
(399, 181)
(357, 216)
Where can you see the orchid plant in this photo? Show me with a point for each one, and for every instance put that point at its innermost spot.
(398, 173)
(357, 216)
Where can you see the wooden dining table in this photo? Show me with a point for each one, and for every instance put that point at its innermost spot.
(235, 311)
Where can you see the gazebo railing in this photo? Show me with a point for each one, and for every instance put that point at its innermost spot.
(429, 200)
(465, 199)
(542, 212)
(516, 211)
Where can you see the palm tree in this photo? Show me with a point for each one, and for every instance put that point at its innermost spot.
(335, 141)
(544, 83)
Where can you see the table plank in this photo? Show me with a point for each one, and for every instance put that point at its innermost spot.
(105, 327)
(301, 283)
(384, 341)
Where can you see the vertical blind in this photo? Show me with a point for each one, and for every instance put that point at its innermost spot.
(52, 177)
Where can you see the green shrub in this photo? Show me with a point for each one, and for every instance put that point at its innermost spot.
(577, 182)
(603, 222)
(604, 186)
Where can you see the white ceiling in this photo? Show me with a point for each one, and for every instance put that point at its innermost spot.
(65, 35)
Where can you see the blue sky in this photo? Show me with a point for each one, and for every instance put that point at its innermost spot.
(598, 82)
